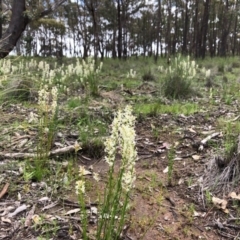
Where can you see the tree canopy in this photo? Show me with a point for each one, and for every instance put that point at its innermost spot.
(120, 28)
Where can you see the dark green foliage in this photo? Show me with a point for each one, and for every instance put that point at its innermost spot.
(236, 65)
(225, 79)
(229, 69)
(221, 68)
(177, 87)
(148, 76)
(209, 83)
(20, 90)
(209, 65)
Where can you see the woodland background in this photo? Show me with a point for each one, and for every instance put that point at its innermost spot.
(122, 28)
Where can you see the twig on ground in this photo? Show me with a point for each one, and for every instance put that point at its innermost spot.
(57, 152)
(203, 142)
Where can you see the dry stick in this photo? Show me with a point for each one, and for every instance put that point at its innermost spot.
(233, 120)
(59, 151)
(205, 140)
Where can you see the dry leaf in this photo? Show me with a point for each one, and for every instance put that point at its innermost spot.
(167, 216)
(29, 216)
(191, 130)
(196, 157)
(4, 190)
(6, 220)
(199, 214)
(44, 199)
(36, 219)
(19, 196)
(220, 204)
(177, 158)
(166, 145)
(176, 144)
(233, 195)
(72, 211)
(94, 210)
(181, 181)
(22, 143)
(165, 170)
(196, 214)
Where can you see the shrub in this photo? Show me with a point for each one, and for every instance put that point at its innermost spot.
(18, 89)
(221, 68)
(131, 74)
(177, 83)
(148, 76)
(235, 65)
(176, 87)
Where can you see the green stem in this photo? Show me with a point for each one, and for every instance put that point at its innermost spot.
(115, 206)
(106, 204)
(122, 218)
(84, 217)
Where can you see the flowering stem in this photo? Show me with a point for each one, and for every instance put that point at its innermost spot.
(115, 207)
(123, 137)
(122, 217)
(106, 204)
(84, 215)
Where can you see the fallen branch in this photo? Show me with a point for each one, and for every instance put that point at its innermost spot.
(200, 145)
(57, 152)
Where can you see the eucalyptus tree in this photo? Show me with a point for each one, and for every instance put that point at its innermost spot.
(226, 21)
(158, 28)
(22, 13)
(146, 33)
(125, 10)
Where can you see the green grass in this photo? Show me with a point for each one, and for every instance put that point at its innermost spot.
(158, 108)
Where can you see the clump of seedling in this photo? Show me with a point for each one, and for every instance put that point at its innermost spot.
(148, 76)
(221, 68)
(170, 157)
(131, 74)
(179, 76)
(235, 65)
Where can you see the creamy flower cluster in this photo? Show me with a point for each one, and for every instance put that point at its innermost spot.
(52, 76)
(47, 100)
(185, 67)
(80, 184)
(205, 72)
(131, 74)
(83, 69)
(123, 137)
(80, 187)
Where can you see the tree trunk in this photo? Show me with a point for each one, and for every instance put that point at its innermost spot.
(168, 32)
(159, 20)
(114, 54)
(226, 27)
(1, 19)
(18, 22)
(196, 31)
(204, 28)
(185, 29)
(119, 46)
(17, 25)
(234, 36)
